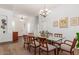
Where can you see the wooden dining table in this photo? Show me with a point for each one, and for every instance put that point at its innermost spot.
(52, 39)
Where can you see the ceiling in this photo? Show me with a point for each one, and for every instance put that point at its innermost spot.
(29, 9)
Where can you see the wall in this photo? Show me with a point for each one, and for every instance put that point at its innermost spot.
(15, 25)
(8, 35)
(56, 14)
(28, 24)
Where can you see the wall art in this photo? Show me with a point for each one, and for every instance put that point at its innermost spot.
(63, 22)
(74, 21)
(3, 23)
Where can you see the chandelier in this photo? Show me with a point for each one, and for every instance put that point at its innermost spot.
(44, 12)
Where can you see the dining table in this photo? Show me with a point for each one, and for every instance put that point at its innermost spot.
(55, 41)
(51, 39)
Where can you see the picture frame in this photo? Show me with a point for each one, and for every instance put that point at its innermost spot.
(74, 21)
(63, 22)
(3, 23)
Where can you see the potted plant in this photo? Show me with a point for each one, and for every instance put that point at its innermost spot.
(77, 40)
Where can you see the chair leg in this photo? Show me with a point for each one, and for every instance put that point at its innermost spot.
(72, 53)
(61, 51)
(58, 50)
(55, 51)
(24, 45)
(35, 51)
(29, 48)
(47, 53)
(39, 51)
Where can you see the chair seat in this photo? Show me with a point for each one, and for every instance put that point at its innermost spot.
(26, 42)
(37, 44)
(57, 45)
(50, 47)
(59, 42)
(65, 47)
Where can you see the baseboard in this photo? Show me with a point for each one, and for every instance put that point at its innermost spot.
(20, 36)
(6, 42)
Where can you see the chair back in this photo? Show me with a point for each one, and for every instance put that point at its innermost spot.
(43, 42)
(58, 35)
(32, 40)
(32, 34)
(73, 44)
(26, 39)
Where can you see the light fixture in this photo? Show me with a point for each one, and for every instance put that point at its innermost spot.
(44, 12)
(22, 18)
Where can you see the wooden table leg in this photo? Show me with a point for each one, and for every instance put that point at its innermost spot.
(55, 51)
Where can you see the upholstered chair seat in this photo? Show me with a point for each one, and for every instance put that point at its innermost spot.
(50, 47)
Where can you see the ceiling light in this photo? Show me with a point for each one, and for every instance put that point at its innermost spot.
(21, 19)
(44, 12)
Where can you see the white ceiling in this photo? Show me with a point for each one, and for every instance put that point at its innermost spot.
(29, 9)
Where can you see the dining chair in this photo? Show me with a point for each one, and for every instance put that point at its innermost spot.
(58, 35)
(31, 34)
(33, 43)
(68, 46)
(26, 41)
(44, 46)
(58, 42)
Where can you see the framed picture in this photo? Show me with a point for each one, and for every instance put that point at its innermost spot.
(63, 22)
(3, 23)
(78, 21)
(55, 23)
(74, 21)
